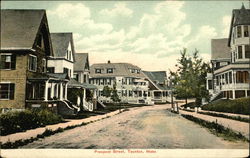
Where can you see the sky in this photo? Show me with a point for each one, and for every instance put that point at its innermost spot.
(149, 34)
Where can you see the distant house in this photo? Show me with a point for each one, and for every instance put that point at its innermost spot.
(64, 54)
(25, 48)
(81, 77)
(231, 60)
(130, 82)
(159, 91)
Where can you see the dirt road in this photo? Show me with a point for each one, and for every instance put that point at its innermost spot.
(143, 127)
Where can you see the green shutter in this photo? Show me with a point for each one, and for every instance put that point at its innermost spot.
(13, 62)
(12, 91)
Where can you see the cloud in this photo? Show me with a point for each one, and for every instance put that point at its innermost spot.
(120, 9)
(78, 16)
(75, 14)
(226, 20)
(202, 39)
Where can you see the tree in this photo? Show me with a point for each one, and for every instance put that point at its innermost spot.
(114, 96)
(107, 91)
(190, 77)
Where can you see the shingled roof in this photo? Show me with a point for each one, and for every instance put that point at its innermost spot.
(239, 17)
(81, 61)
(220, 49)
(19, 28)
(158, 78)
(120, 69)
(60, 42)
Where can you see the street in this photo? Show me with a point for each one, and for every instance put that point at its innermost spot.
(143, 127)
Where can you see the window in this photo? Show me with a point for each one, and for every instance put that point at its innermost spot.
(8, 61)
(7, 91)
(109, 70)
(132, 70)
(66, 70)
(246, 32)
(230, 77)
(130, 93)
(32, 63)
(239, 52)
(51, 70)
(247, 51)
(238, 31)
(98, 71)
(84, 78)
(44, 65)
(76, 77)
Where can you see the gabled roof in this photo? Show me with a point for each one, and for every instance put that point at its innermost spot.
(239, 17)
(81, 61)
(60, 43)
(159, 77)
(19, 28)
(120, 70)
(220, 49)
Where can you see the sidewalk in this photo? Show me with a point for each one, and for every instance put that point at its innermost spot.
(34, 132)
(242, 127)
(228, 114)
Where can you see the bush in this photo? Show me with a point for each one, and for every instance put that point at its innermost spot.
(237, 106)
(17, 121)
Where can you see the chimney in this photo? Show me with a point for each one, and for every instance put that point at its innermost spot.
(108, 61)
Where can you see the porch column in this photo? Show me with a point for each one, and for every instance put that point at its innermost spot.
(94, 94)
(66, 91)
(46, 90)
(61, 92)
(234, 77)
(142, 93)
(233, 91)
(52, 90)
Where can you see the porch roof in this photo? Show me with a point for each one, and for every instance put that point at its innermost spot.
(50, 76)
(75, 84)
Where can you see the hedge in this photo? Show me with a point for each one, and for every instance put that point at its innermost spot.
(18, 121)
(237, 106)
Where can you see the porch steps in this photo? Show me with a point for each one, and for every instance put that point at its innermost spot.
(99, 102)
(216, 96)
(66, 108)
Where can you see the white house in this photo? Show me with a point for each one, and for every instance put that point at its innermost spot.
(131, 83)
(159, 91)
(81, 80)
(231, 78)
(63, 59)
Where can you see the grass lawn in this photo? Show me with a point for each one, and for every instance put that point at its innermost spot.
(237, 106)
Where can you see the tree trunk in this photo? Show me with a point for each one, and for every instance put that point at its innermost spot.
(186, 101)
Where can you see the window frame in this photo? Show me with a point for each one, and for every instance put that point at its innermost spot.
(247, 46)
(98, 71)
(12, 60)
(10, 91)
(245, 31)
(110, 70)
(29, 68)
(239, 53)
(239, 31)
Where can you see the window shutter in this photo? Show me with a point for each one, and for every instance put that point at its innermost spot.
(13, 62)
(12, 91)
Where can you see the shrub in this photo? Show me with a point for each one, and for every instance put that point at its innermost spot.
(17, 121)
(237, 106)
